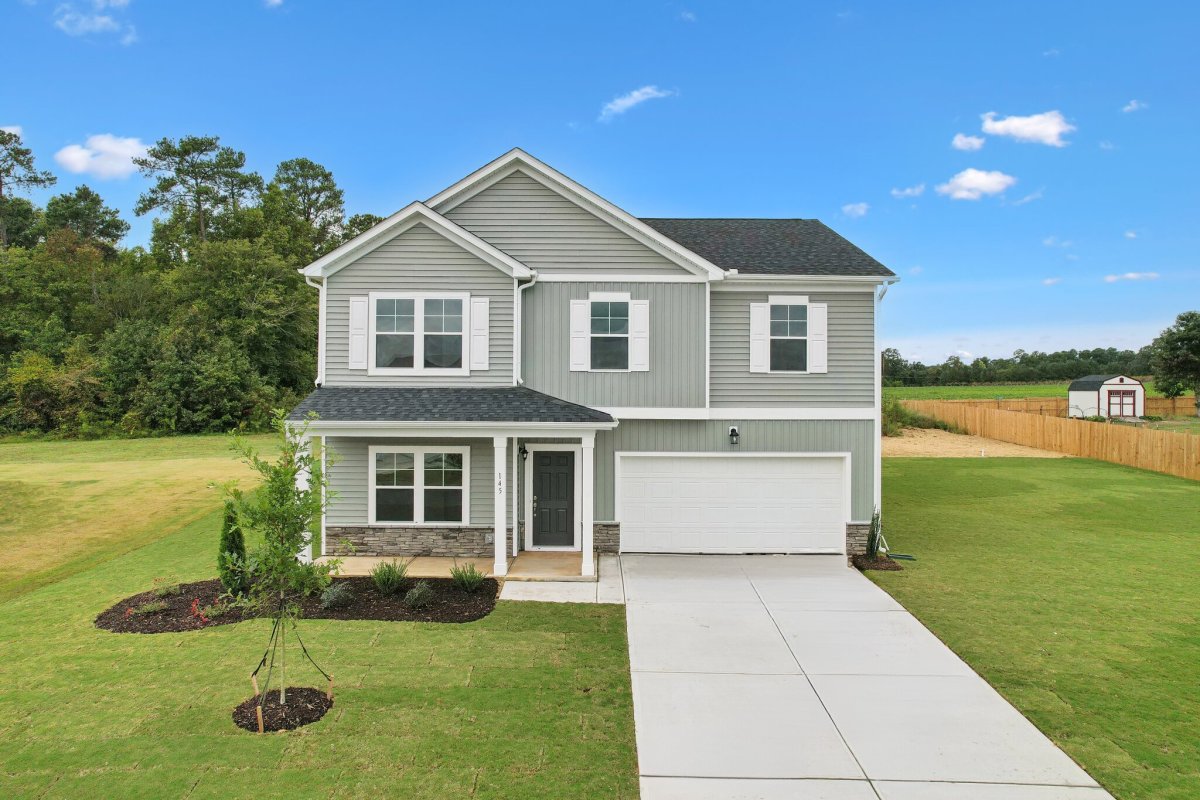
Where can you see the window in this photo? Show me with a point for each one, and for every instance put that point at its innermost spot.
(412, 332)
(418, 485)
(789, 338)
(610, 335)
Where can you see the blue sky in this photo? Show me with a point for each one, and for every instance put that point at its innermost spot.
(1071, 221)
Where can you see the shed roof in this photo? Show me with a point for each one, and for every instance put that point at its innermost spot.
(1092, 383)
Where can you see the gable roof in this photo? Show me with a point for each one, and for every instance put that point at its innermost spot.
(518, 160)
(771, 246)
(1091, 383)
(441, 404)
(402, 220)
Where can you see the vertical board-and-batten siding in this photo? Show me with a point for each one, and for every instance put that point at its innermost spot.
(419, 260)
(856, 437)
(676, 375)
(549, 233)
(349, 476)
(850, 381)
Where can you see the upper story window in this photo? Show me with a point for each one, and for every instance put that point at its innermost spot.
(610, 334)
(418, 333)
(789, 338)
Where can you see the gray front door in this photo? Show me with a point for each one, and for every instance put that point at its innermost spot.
(553, 499)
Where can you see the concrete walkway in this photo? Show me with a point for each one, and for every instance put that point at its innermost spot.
(776, 677)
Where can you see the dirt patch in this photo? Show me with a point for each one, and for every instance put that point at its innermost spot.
(931, 442)
(882, 563)
(305, 706)
(184, 611)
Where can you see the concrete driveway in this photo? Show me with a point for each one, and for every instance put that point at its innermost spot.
(795, 677)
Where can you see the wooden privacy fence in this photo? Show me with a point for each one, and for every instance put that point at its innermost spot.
(1160, 451)
(1057, 406)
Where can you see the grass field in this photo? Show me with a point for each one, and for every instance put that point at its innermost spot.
(990, 391)
(1070, 585)
(533, 701)
(70, 505)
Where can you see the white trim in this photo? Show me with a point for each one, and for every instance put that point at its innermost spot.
(398, 223)
(847, 471)
(418, 333)
(617, 277)
(587, 476)
(516, 496)
(707, 345)
(499, 506)
(608, 297)
(801, 283)
(517, 159)
(739, 413)
(418, 487)
(451, 429)
(577, 501)
(324, 489)
(877, 466)
(787, 299)
(788, 281)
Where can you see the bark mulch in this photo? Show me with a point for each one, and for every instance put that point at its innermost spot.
(305, 706)
(183, 610)
(882, 563)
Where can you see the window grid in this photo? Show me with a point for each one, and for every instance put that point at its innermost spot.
(609, 335)
(788, 338)
(419, 486)
(418, 333)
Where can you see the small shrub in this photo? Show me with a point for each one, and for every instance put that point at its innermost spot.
(231, 555)
(390, 576)
(152, 607)
(874, 535)
(468, 577)
(1152, 418)
(163, 589)
(896, 417)
(1095, 418)
(419, 596)
(215, 611)
(337, 595)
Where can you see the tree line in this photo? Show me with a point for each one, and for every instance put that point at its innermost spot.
(206, 329)
(1021, 367)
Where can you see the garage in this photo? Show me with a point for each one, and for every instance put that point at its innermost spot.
(727, 503)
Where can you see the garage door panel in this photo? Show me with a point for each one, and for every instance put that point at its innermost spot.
(732, 504)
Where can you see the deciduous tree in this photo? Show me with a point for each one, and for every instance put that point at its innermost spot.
(17, 172)
(1175, 357)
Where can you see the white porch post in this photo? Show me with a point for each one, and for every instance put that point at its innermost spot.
(516, 492)
(302, 480)
(500, 539)
(585, 512)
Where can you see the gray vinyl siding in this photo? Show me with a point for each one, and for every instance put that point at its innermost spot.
(417, 260)
(856, 437)
(850, 382)
(348, 477)
(549, 233)
(676, 375)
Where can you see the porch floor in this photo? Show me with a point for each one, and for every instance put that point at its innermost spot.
(528, 566)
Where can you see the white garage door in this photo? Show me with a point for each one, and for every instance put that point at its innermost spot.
(731, 504)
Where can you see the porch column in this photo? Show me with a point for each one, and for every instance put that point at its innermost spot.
(516, 492)
(587, 476)
(500, 538)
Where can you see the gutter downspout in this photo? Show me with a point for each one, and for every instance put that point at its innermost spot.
(518, 332)
(320, 287)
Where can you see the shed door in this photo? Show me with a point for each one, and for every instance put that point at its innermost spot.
(1122, 403)
(732, 504)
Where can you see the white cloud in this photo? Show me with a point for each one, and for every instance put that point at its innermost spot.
(686, 16)
(102, 156)
(72, 21)
(856, 209)
(916, 270)
(1131, 276)
(910, 191)
(1054, 241)
(621, 104)
(1051, 281)
(972, 184)
(17, 129)
(1053, 52)
(1046, 128)
(1029, 198)
(963, 142)
(1134, 105)
(1130, 234)
(1105, 144)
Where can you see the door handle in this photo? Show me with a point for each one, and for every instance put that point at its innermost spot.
(535, 502)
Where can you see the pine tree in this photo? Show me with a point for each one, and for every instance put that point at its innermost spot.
(231, 560)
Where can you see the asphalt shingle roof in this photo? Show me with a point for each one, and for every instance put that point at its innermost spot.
(1090, 383)
(771, 246)
(439, 404)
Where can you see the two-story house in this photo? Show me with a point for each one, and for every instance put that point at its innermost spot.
(517, 364)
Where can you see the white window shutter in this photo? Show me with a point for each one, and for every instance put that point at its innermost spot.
(359, 319)
(818, 338)
(639, 336)
(760, 325)
(480, 323)
(581, 345)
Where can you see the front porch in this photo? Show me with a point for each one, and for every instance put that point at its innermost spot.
(527, 566)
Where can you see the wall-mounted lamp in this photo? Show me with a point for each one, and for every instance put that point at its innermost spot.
(733, 434)
(524, 451)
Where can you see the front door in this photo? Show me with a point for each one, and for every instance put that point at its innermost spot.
(553, 499)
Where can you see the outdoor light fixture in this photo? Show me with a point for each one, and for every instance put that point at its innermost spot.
(733, 434)
(524, 452)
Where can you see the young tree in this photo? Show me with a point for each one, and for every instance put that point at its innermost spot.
(231, 554)
(17, 172)
(1175, 357)
(283, 509)
(83, 211)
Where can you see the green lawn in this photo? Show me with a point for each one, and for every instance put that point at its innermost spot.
(990, 391)
(531, 702)
(1072, 586)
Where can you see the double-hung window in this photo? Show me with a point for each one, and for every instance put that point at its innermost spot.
(418, 333)
(610, 334)
(419, 485)
(789, 338)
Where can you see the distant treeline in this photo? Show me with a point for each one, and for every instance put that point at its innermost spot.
(1022, 367)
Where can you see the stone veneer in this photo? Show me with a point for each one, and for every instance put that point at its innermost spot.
(856, 538)
(606, 537)
(469, 542)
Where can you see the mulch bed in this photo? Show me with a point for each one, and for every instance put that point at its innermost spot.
(305, 706)
(882, 563)
(450, 604)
